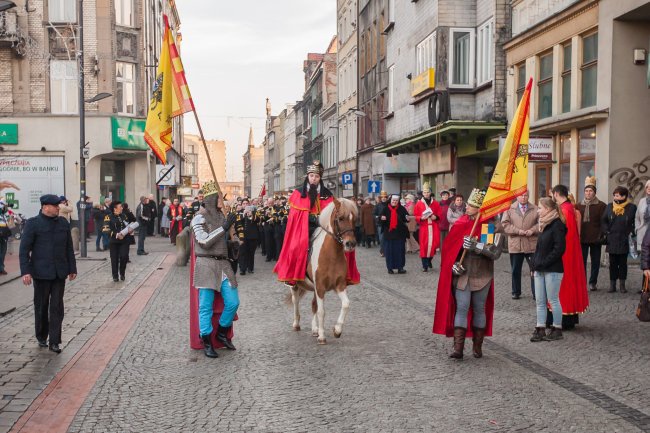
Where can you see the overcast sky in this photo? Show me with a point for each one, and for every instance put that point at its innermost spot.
(238, 53)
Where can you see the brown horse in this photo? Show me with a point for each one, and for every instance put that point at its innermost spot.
(327, 266)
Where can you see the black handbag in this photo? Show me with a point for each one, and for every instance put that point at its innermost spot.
(643, 309)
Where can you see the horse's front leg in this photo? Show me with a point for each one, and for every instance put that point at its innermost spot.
(295, 298)
(320, 313)
(345, 307)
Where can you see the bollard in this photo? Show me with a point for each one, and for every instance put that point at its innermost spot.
(183, 247)
(75, 238)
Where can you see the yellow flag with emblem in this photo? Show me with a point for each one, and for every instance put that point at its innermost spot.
(510, 178)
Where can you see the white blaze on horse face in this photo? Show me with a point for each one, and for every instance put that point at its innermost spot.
(345, 306)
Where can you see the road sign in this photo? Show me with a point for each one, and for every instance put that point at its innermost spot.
(165, 175)
(346, 178)
(374, 186)
(86, 153)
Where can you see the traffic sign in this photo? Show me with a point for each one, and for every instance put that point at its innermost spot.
(374, 186)
(346, 178)
(165, 175)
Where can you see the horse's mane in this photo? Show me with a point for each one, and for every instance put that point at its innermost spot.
(348, 207)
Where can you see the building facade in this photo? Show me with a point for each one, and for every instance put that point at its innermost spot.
(194, 146)
(289, 170)
(590, 95)
(39, 102)
(253, 168)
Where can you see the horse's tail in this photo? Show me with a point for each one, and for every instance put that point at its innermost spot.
(298, 289)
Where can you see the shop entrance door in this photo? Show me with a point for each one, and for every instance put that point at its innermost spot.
(111, 179)
(543, 179)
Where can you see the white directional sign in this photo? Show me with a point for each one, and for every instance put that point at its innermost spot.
(374, 186)
(346, 178)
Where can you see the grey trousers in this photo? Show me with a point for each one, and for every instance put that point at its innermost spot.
(477, 300)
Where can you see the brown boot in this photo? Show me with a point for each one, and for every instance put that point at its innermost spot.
(459, 343)
(477, 339)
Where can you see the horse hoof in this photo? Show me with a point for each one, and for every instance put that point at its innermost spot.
(296, 328)
(337, 334)
(322, 341)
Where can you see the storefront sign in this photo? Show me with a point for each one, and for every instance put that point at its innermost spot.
(184, 191)
(9, 133)
(35, 176)
(128, 133)
(423, 82)
(436, 160)
(540, 149)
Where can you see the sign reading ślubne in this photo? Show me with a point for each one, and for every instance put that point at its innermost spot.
(540, 149)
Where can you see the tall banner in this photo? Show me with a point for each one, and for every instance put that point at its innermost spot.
(510, 178)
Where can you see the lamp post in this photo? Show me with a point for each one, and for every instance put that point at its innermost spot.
(82, 133)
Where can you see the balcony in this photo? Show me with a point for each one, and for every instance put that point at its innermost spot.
(8, 28)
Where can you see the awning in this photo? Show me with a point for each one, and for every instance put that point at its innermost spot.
(447, 132)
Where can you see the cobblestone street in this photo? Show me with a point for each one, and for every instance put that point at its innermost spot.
(386, 373)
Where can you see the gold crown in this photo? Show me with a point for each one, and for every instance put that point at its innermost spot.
(315, 167)
(426, 187)
(590, 181)
(476, 198)
(383, 194)
(210, 187)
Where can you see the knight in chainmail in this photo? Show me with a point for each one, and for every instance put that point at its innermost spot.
(213, 272)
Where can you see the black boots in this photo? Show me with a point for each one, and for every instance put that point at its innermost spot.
(538, 335)
(222, 337)
(207, 347)
(622, 283)
(612, 286)
(477, 339)
(459, 343)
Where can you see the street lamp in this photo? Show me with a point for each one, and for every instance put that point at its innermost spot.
(82, 133)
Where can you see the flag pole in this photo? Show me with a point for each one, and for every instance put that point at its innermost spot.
(205, 146)
(478, 218)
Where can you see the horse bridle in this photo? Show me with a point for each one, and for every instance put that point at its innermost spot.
(338, 236)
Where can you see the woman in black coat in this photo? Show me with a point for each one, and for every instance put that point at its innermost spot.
(645, 255)
(393, 219)
(118, 243)
(618, 224)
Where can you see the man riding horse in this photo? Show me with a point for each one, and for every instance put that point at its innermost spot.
(306, 204)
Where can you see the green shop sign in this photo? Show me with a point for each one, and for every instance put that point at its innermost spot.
(128, 133)
(9, 133)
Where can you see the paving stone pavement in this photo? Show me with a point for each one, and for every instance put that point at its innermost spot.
(386, 373)
(26, 369)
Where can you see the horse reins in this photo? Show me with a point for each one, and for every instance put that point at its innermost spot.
(338, 237)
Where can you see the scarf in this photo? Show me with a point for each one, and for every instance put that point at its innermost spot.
(586, 203)
(619, 208)
(547, 219)
(392, 224)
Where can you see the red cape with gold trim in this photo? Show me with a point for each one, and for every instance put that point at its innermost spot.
(574, 297)
(443, 319)
(429, 242)
(292, 263)
(195, 340)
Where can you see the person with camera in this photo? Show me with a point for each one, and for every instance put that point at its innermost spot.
(117, 223)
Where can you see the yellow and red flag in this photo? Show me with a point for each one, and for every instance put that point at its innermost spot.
(510, 178)
(170, 97)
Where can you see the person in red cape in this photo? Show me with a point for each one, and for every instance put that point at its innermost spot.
(574, 297)
(305, 205)
(427, 215)
(465, 299)
(175, 215)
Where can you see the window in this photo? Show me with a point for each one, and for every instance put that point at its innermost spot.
(62, 11)
(545, 86)
(124, 13)
(64, 94)
(462, 57)
(589, 70)
(521, 81)
(125, 74)
(565, 159)
(484, 53)
(586, 155)
(391, 89)
(566, 78)
(362, 54)
(425, 54)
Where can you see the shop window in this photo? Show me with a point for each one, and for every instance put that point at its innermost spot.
(545, 87)
(125, 75)
(484, 53)
(565, 159)
(425, 54)
(586, 155)
(64, 92)
(589, 70)
(62, 11)
(461, 57)
(521, 81)
(566, 78)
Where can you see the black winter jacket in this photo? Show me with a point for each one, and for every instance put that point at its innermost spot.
(551, 244)
(645, 251)
(46, 251)
(618, 229)
(401, 231)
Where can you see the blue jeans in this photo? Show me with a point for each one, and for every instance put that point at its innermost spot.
(102, 236)
(547, 288)
(230, 297)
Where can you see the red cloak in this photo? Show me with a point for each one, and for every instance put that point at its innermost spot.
(176, 211)
(292, 263)
(574, 297)
(443, 319)
(195, 340)
(429, 229)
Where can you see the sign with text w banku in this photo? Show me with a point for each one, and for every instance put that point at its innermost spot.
(170, 97)
(510, 178)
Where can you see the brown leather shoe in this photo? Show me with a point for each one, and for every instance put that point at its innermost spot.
(459, 343)
(477, 340)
